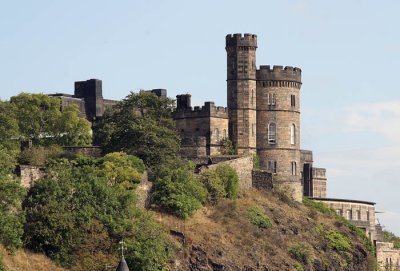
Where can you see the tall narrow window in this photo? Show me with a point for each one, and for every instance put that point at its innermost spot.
(292, 101)
(216, 134)
(339, 212)
(358, 215)
(293, 134)
(272, 166)
(349, 215)
(368, 215)
(294, 169)
(224, 134)
(271, 99)
(272, 133)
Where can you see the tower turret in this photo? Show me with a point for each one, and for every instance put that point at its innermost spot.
(278, 124)
(241, 90)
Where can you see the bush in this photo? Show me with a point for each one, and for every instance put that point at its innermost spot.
(227, 147)
(303, 253)
(258, 217)
(230, 180)
(177, 191)
(214, 185)
(37, 156)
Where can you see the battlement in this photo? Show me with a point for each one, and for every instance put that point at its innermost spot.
(279, 73)
(239, 40)
(208, 110)
(319, 173)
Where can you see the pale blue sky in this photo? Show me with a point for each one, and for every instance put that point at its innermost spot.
(348, 50)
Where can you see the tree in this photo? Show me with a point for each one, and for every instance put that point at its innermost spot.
(9, 133)
(11, 214)
(78, 213)
(40, 119)
(140, 125)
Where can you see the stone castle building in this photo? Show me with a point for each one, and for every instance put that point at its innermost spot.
(262, 117)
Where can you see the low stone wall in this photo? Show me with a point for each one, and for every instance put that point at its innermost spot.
(387, 256)
(243, 166)
(29, 175)
(94, 151)
(262, 180)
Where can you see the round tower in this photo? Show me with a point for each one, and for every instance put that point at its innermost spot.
(241, 91)
(278, 124)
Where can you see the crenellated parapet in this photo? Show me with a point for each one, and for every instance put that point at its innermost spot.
(208, 110)
(279, 76)
(245, 42)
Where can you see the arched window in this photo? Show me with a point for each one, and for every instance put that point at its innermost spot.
(294, 169)
(349, 215)
(272, 133)
(224, 134)
(216, 132)
(293, 134)
(358, 215)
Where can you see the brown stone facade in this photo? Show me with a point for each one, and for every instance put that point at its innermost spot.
(360, 213)
(388, 257)
(209, 122)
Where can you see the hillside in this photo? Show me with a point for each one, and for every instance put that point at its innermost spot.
(299, 238)
(27, 261)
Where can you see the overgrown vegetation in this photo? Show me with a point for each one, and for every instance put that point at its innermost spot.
(391, 237)
(227, 147)
(2, 268)
(258, 217)
(39, 155)
(302, 252)
(140, 125)
(177, 190)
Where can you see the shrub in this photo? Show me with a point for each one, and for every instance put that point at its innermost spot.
(214, 185)
(227, 147)
(258, 217)
(230, 180)
(177, 191)
(303, 253)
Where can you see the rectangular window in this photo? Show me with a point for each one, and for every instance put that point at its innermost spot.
(339, 211)
(358, 215)
(272, 166)
(271, 98)
(349, 215)
(294, 169)
(292, 100)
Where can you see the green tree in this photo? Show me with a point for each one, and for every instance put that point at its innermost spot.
(11, 214)
(140, 125)
(123, 169)
(78, 214)
(9, 132)
(230, 179)
(177, 190)
(40, 119)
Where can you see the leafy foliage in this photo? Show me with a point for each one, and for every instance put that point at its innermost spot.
(227, 147)
(258, 217)
(80, 211)
(11, 214)
(2, 268)
(140, 125)
(8, 127)
(221, 182)
(39, 118)
(177, 190)
(391, 237)
(120, 168)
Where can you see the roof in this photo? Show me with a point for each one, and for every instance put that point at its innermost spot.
(122, 266)
(344, 200)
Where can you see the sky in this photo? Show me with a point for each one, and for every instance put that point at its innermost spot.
(348, 51)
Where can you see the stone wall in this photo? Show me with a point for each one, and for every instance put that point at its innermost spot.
(262, 180)
(387, 256)
(319, 182)
(243, 166)
(29, 175)
(94, 151)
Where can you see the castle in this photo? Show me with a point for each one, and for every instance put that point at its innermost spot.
(263, 118)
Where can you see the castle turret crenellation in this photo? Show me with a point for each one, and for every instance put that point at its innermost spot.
(279, 73)
(239, 40)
